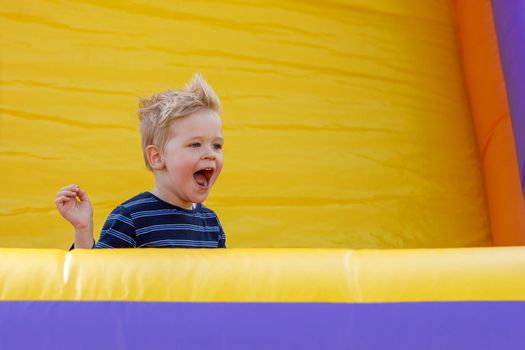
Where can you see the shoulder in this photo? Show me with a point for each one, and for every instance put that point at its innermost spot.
(140, 199)
(140, 202)
(202, 209)
(207, 213)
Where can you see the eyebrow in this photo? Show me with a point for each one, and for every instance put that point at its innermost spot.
(200, 138)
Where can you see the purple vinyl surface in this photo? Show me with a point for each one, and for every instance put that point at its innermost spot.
(509, 19)
(165, 325)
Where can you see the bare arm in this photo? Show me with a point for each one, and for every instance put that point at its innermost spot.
(74, 205)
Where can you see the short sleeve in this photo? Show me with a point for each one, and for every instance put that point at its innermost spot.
(118, 230)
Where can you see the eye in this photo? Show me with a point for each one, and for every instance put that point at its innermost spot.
(195, 145)
(217, 146)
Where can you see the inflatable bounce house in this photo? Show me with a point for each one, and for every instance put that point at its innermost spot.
(372, 193)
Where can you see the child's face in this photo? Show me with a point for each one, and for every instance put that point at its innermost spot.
(193, 156)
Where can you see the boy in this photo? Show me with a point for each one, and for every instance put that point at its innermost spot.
(182, 145)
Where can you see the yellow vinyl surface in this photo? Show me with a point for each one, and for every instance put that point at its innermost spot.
(346, 124)
(264, 275)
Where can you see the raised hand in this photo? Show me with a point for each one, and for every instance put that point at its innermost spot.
(74, 205)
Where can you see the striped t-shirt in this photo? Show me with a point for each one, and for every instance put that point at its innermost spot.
(147, 221)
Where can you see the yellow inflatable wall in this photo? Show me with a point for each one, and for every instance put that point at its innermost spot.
(264, 275)
(346, 123)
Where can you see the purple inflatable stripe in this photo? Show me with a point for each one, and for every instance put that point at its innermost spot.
(509, 18)
(155, 325)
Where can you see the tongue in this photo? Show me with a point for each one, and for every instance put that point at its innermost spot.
(200, 178)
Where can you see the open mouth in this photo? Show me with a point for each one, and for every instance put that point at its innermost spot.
(203, 176)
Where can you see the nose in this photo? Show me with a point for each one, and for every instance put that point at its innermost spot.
(208, 153)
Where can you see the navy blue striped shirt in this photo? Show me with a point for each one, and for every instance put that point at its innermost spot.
(147, 221)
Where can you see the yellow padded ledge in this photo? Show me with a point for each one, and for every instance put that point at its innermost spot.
(264, 275)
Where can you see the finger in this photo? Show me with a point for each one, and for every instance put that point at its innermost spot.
(71, 187)
(83, 196)
(66, 193)
(60, 201)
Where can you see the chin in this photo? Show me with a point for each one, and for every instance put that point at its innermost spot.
(199, 198)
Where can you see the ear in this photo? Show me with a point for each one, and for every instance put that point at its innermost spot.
(154, 157)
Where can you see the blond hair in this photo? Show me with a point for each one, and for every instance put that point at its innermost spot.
(158, 112)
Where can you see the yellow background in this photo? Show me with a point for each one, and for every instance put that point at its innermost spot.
(346, 123)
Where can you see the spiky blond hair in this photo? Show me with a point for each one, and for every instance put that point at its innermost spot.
(157, 112)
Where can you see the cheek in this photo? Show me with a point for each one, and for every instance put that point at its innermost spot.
(183, 167)
(219, 165)
(187, 169)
